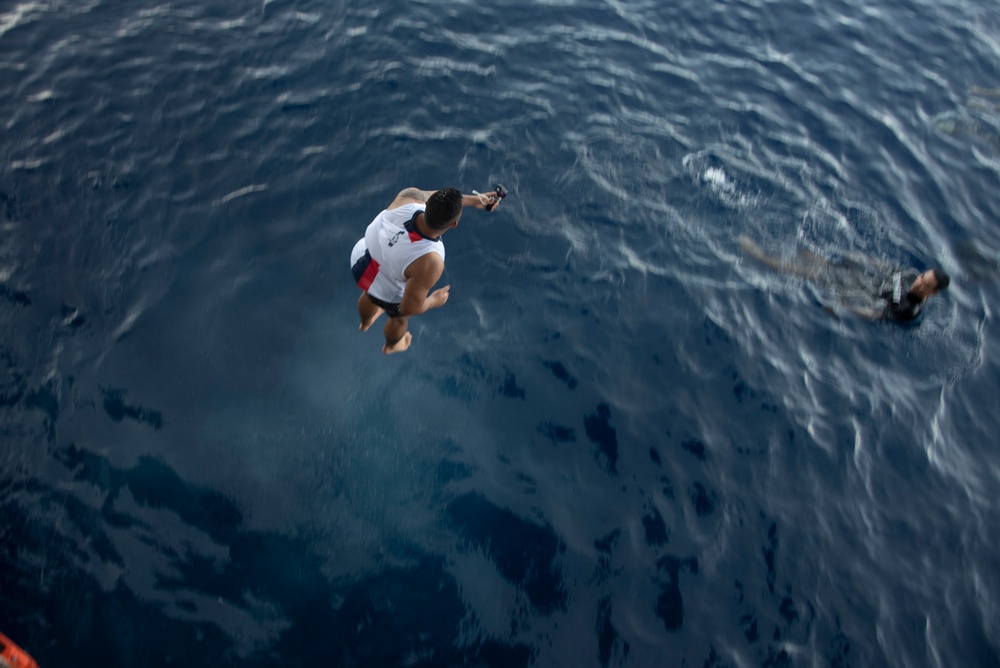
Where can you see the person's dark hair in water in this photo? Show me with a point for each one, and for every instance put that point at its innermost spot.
(943, 279)
(443, 208)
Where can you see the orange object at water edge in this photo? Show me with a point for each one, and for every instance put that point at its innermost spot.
(12, 656)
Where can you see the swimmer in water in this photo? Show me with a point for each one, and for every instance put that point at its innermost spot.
(885, 292)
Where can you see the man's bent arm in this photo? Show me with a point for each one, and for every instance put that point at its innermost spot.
(421, 276)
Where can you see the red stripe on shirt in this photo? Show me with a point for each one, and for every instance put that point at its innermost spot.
(369, 276)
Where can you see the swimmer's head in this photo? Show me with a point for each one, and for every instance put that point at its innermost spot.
(943, 279)
(930, 283)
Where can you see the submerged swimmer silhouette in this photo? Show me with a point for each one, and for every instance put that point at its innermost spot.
(867, 287)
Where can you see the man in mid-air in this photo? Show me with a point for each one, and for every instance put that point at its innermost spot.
(401, 257)
(867, 287)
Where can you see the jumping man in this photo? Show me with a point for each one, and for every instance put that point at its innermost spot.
(401, 257)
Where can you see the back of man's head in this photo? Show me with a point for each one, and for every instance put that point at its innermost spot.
(443, 208)
(942, 278)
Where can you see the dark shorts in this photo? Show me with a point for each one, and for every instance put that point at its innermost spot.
(391, 310)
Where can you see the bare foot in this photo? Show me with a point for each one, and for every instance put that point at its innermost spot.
(398, 346)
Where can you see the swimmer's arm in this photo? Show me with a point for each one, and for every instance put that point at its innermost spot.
(872, 262)
(421, 276)
(867, 313)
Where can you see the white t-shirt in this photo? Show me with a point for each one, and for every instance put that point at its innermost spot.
(392, 241)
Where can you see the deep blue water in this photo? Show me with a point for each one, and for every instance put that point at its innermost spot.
(620, 443)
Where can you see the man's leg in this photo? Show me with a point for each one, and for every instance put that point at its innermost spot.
(368, 311)
(397, 339)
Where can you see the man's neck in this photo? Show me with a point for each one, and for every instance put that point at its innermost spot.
(428, 232)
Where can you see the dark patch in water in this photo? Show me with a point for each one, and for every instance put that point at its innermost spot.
(465, 378)
(656, 530)
(524, 552)
(702, 500)
(118, 410)
(748, 620)
(603, 571)
(71, 317)
(7, 206)
(560, 372)
(609, 642)
(655, 456)
(714, 333)
(670, 604)
(769, 550)
(600, 431)
(12, 384)
(557, 433)
(450, 388)
(154, 485)
(714, 660)
(779, 659)
(18, 297)
(741, 389)
(510, 388)
(787, 610)
(840, 649)
(609, 542)
(695, 447)
(448, 471)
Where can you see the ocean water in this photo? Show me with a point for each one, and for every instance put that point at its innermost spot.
(621, 443)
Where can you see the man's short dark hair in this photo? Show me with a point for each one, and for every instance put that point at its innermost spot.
(443, 208)
(942, 278)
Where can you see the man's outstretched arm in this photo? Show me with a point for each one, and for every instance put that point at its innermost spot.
(486, 201)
